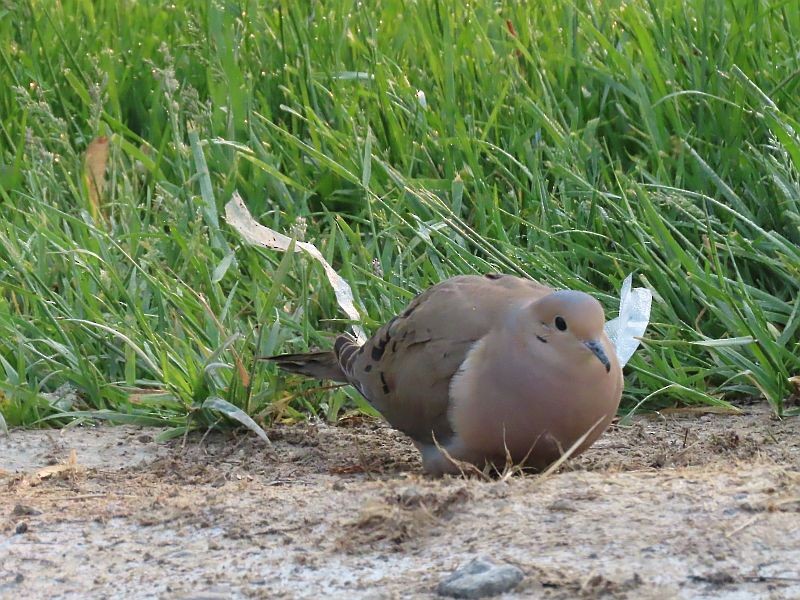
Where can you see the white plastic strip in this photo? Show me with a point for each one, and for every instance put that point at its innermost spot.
(634, 316)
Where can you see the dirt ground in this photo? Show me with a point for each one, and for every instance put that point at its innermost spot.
(673, 506)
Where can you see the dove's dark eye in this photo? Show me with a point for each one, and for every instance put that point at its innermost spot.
(561, 324)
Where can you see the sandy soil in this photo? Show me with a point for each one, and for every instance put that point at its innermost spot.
(674, 506)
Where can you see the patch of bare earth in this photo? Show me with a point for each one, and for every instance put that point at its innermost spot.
(671, 507)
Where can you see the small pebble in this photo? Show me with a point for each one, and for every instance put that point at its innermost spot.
(22, 527)
(21, 510)
(410, 496)
(480, 578)
(562, 505)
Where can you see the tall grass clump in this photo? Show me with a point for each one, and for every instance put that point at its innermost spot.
(571, 142)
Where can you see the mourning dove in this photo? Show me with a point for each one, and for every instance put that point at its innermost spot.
(480, 369)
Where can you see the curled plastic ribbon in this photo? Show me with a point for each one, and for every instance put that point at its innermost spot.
(634, 316)
(253, 232)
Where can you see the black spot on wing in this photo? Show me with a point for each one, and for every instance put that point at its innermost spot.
(541, 339)
(385, 385)
(493, 276)
(368, 368)
(380, 346)
(378, 350)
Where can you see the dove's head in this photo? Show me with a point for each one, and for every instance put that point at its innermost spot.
(571, 323)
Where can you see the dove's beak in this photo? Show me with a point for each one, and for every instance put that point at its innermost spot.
(596, 348)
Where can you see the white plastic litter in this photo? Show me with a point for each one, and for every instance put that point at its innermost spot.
(253, 232)
(634, 316)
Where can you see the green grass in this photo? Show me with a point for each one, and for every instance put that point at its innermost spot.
(573, 142)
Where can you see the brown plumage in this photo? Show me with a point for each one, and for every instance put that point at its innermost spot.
(481, 366)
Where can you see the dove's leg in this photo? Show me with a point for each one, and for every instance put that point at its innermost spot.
(448, 458)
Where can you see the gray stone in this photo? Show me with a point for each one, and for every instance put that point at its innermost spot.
(480, 578)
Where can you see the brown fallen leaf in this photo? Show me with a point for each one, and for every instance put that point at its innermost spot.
(244, 376)
(69, 468)
(95, 174)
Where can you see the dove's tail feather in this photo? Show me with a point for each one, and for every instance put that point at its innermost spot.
(319, 365)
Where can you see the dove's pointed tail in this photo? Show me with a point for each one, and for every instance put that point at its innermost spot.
(319, 365)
